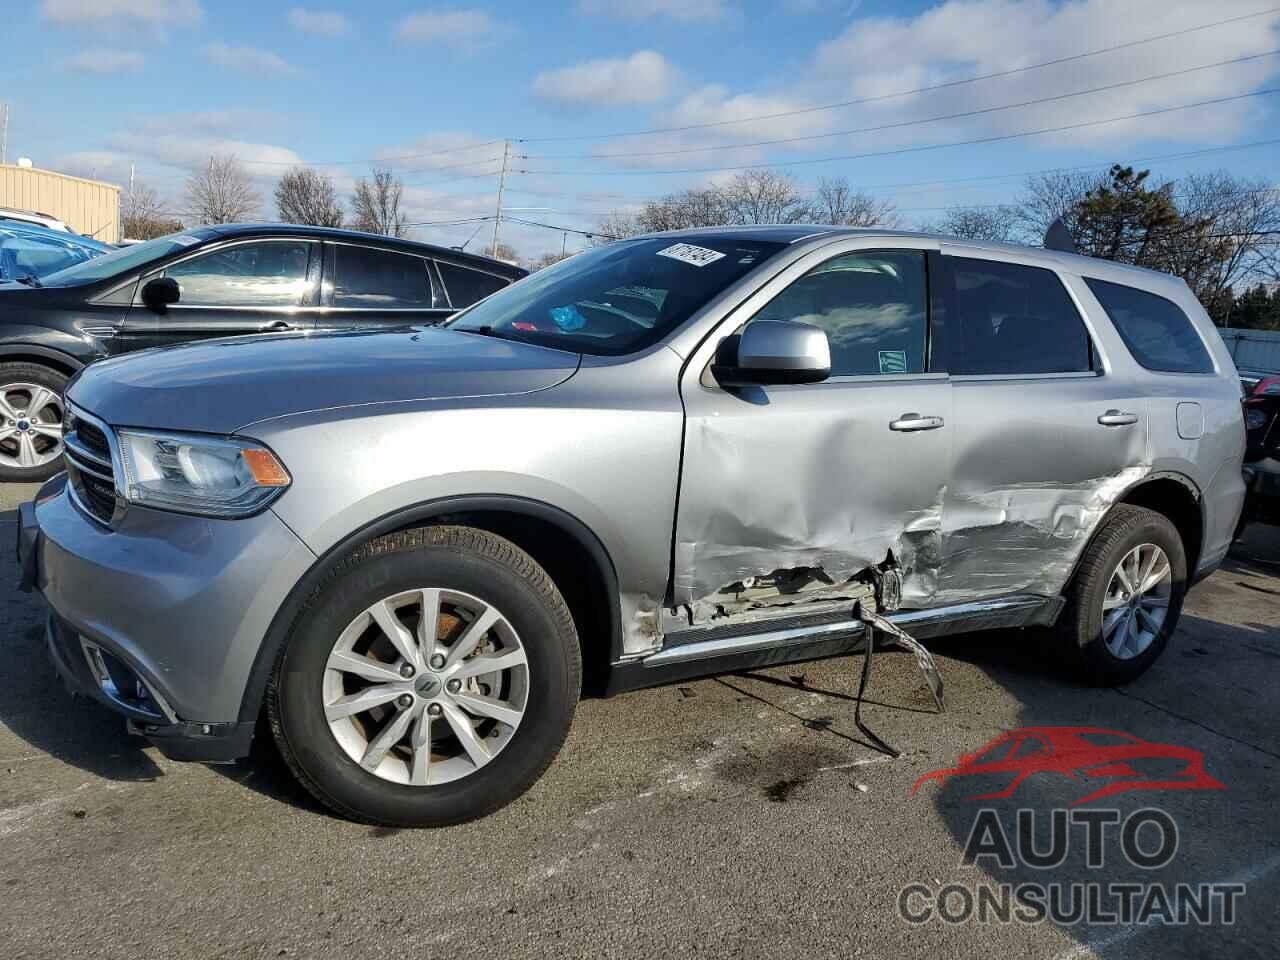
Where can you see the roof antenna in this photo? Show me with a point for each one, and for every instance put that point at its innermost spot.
(1058, 237)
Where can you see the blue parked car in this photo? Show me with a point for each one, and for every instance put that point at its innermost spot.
(30, 251)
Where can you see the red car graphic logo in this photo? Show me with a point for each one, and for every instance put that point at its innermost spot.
(1081, 753)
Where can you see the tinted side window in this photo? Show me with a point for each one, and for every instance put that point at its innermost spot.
(268, 274)
(379, 279)
(1016, 320)
(872, 305)
(1156, 331)
(466, 286)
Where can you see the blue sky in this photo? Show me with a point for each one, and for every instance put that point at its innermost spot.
(96, 85)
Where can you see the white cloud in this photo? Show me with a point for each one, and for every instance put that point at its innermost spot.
(246, 59)
(875, 56)
(193, 152)
(681, 11)
(324, 23)
(472, 27)
(158, 13)
(100, 60)
(460, 153)
(643, 77)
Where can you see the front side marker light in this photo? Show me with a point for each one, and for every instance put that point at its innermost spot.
(267, 471)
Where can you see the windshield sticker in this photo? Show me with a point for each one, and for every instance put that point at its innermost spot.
(893, 361)
(568, 318)
(185, 240)
(688, 253)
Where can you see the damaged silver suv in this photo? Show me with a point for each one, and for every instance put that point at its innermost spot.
(670, 456)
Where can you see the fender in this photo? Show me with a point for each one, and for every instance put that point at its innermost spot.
(47, 353)
(1179, 478)
(276, 635)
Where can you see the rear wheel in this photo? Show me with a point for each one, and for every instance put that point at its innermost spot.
(31, 415)
(431, 679)
(1125, 600)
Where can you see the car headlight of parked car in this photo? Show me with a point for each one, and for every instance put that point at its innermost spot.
(1254, 418)
(208, 476)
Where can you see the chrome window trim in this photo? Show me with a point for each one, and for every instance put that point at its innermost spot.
(1073, 375)
(209, 248)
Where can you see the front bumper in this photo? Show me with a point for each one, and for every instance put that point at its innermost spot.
(161, 618)
(1262, 479)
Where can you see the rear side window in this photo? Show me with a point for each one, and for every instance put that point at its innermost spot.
(1016, 320)
(466, 286)
(1156, 331)
(379, 279)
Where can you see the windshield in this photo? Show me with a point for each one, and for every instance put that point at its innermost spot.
(618, 298)
(35, 253)
(123, 260)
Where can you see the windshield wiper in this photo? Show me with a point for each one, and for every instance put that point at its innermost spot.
(488, 331)
(30, 280)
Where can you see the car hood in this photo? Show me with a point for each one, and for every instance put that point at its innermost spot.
(220, 386)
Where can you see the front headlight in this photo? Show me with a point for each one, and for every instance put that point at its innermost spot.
(189, 473)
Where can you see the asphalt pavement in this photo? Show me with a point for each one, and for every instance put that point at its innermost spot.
(738, 816)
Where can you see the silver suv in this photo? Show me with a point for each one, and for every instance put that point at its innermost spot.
(665, 457)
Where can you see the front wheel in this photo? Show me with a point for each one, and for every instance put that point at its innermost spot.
(31, 415)
(430, 680)
(1125, 600)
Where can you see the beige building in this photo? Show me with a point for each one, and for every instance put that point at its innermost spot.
(90, 207)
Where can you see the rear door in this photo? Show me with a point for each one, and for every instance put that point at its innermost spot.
(245, 286)
(1045, 434)
(369, 286)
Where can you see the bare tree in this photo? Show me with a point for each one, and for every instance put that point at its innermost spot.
(1244, 216)
(304, 195)
(999, 223)
(839, 204)
(375, 206)
(142, 216)
(763, 196)
(1048, 196)
(542, 261)
(221, 192)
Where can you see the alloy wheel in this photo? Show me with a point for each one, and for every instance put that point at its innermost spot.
(426, 686)
(1137, 601)
(30, 425)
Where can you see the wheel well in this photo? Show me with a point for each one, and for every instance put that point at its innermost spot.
(575, 572)
(65, 367)
(1175, 500)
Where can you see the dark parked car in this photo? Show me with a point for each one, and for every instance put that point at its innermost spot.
(213, 281)
(1262, 456)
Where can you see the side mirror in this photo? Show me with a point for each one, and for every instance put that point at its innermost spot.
(161, 292)
(773, 352)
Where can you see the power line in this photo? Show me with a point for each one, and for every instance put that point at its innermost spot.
(904, 93)
(392, 159)
(903, 123)
(905, 150)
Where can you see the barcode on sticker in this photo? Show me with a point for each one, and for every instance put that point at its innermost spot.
(688, 253)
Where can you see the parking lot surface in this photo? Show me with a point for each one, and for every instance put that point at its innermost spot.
(738, 816)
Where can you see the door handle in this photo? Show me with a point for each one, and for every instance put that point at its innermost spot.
(277, 326)
(910, 422)
(1117, 418)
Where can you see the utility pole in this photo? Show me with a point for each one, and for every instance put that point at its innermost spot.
(502, 183)
(564, 240)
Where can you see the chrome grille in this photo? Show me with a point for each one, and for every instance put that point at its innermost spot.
(90, 468)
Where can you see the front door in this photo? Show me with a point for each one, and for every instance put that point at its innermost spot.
(1044, 440)
(788, 492)
(243, 287)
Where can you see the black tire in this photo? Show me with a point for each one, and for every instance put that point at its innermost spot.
(1080, 625)
(23, 372)
(460, 558)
